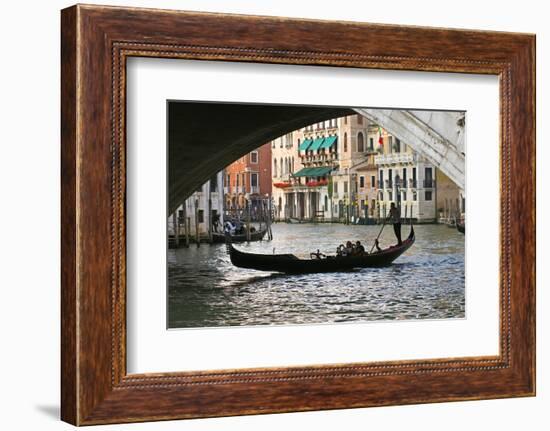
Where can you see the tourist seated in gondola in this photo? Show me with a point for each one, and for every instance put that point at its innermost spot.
(359, 249)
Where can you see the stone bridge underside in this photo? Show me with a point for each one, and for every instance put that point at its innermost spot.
(203, 138)
(206, 137)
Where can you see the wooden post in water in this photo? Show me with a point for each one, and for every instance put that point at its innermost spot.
(197, 232)
(176, 229)
(186, 223)
(187, 229)
(248, 220)
(261, 215)
(210, 236)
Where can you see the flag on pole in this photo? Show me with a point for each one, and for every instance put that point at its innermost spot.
(380, 139)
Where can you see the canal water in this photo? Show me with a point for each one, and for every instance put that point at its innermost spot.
(427, 282)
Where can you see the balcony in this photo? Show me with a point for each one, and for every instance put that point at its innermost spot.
(254, 190)
(413, 183)
(394, 159)
(429, 184)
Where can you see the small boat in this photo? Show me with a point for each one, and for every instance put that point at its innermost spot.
(461, 227)
(293, 220)
(291, 264)
(256, 235)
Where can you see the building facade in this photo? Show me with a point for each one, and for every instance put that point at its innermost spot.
(248, 180)
(350, 170)
(201, 213)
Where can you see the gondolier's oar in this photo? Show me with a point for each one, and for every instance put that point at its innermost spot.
(379, 233)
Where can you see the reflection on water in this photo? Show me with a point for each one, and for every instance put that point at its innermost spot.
(427, 282)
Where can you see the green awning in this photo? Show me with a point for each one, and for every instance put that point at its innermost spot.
(304, 145)
(313, 172)
(329, 142)
(316, 144)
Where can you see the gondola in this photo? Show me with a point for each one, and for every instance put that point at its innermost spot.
(290, 264)
(257, 235)
(461, 227)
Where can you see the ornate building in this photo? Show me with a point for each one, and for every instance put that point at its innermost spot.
(248, 180)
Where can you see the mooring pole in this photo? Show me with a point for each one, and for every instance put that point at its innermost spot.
(197, 232)
(176, 233)
(248, 220)
(186, 224)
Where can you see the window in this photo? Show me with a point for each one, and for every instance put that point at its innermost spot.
(345, 186)
(280, 142)
(428, 195)
(242, 178)
(274, 167)
(228, 180)
(335, 187)
(359, 119)
(372, 181)
(201, 216)
(390, 195)
(326, 202)
(345, 142)
(361, 181)
(281, 166)
(360, 143)
(397, 145)
(390, 143)
(237, 176)
(404, 177)
(214, 184)
(254, 180)
(254, 157)
(404, 196)
(428, 178)
(371, 144)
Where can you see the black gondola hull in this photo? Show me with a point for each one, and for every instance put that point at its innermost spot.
(290, 264)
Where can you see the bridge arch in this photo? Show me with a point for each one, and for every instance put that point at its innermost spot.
(205, 137)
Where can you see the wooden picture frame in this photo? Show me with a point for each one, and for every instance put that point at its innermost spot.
(95, 43)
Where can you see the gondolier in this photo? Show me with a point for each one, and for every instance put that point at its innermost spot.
(395, 216)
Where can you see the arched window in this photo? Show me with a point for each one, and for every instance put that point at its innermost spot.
(326, 203)
(274, 167)
(360, 142)
(345, 142)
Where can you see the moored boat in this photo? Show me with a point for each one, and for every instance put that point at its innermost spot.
(256, 235)
(291, 264)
